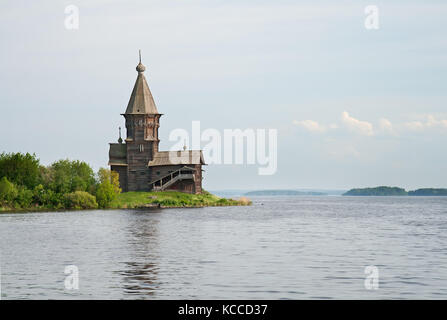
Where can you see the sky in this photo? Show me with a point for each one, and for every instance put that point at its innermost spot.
(353, 107)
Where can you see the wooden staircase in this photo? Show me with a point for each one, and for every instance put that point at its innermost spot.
(161, 184)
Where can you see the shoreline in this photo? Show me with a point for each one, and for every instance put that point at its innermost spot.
(149, 200)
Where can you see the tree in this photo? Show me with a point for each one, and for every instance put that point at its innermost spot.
(8, 191)
(20, 169)
(108, 187)
(65, 176)
(112, 177)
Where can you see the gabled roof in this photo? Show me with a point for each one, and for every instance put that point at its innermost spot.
(141, 100)
(168, 158)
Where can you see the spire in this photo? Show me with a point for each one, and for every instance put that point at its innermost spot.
(140, 67)
(141, 100)
(120, 140)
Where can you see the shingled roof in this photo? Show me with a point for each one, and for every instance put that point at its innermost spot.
(166, 158)
(118, 154)
(141, 100)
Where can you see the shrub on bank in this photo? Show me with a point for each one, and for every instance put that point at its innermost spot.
(80, 200)
(105, 194)
(108, 187)
(24, 198)
(8, 192)
(47, 198)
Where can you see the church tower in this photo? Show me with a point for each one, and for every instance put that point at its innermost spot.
(142, 123)
(140, 164)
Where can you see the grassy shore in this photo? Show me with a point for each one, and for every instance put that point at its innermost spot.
(173, 199)
(163, 199)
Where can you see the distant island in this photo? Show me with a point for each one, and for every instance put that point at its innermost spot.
(428, 192)
(284, 193)
(395, 191)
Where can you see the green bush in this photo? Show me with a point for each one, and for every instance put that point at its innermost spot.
(48, 198)
(24, 198)
(80, 200)
(105, 194)
(106, 175)
(8, 191)
(39, 195)
(108, 187)
(223, 202)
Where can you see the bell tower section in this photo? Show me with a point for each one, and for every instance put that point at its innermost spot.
(142, 141)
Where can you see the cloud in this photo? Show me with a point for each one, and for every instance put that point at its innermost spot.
(430, 123)
(361, 127)
(433, 122)
(310, 125)
(386, 126)
(355, 125)
(414, 125)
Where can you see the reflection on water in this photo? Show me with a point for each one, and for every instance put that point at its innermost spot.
(139, 276)
(279, 248)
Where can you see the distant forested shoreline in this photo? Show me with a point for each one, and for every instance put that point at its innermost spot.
(284, 193)
(395, 191)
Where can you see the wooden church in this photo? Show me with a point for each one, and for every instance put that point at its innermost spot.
(137, 159)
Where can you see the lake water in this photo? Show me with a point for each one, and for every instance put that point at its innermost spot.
(279, 248)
